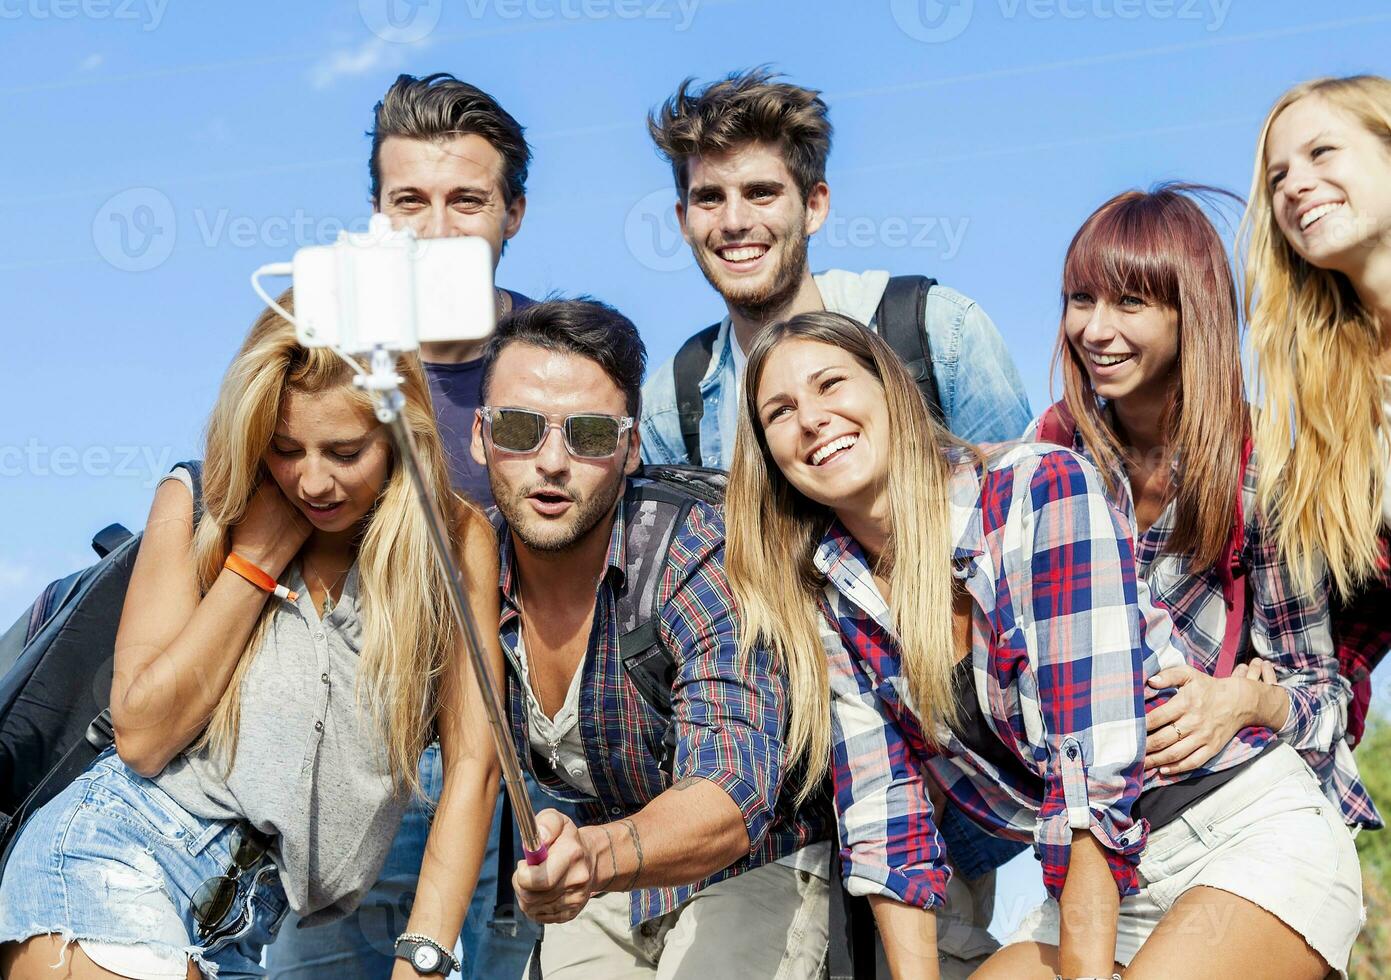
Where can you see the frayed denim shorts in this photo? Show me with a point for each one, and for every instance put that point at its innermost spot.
(113, 862)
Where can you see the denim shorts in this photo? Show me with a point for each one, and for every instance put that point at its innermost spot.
(114, 860)
(1269, 836)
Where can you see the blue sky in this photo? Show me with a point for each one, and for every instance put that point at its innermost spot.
(159, 150)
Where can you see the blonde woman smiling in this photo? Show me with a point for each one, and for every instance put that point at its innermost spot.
(282, 660)
(1318, 297)
(981, 619)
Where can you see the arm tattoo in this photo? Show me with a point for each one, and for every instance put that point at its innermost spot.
(613, 857)
(686, 783)
(637, 847)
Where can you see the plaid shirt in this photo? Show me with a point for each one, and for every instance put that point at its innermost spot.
(1063, 636)
(1286, 626)
(1362, 636)
(728, 711)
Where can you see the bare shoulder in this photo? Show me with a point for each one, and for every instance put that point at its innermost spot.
(477, 537)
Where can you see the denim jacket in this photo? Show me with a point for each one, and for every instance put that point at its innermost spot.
(982, 396)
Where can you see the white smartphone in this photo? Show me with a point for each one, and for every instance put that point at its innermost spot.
(386, 288)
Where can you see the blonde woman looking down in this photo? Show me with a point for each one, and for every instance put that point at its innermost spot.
(281, 662)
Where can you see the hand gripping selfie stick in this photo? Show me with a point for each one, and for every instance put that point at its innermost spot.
(381, 293)
(384, 385)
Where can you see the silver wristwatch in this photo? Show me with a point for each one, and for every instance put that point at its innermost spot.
(425, 955)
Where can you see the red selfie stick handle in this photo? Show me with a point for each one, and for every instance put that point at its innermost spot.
(535, 857)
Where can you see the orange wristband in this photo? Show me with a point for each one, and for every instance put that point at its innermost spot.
(236, 563)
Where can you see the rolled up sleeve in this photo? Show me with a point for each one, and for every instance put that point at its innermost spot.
(728, 709)
(1088, 651)
(889, 843)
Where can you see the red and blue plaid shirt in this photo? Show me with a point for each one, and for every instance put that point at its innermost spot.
(728, 710)
(1063, 637)
(1286, 625)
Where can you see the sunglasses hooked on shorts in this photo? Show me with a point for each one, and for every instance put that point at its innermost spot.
(587, 435)
(213, 899)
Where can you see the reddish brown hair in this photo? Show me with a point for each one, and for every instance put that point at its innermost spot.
(1160, 246)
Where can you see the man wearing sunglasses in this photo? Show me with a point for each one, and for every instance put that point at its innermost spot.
(669, 864)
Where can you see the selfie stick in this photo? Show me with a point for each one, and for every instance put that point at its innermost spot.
(384, 385)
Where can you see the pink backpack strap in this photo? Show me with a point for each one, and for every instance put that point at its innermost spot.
(1057, 426)
(1233, 572)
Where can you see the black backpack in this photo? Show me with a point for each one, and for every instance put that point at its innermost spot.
(899, 318)
(657, 503)
(55, 677)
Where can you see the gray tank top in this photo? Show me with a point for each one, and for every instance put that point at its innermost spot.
(310, 767)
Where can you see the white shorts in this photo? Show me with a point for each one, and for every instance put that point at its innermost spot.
(1269, 836)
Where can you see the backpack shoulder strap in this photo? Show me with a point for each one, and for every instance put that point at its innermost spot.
(195, 472)
(1057, 426)
(653, 513)
(692, 361)
(902, 321)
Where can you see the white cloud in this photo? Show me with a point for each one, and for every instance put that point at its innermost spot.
(92, 62)
(347, 63)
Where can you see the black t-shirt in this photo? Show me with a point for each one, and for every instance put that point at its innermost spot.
(457, 390)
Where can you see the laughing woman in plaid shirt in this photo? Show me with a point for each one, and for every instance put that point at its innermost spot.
(1151, 361)
(980, 619)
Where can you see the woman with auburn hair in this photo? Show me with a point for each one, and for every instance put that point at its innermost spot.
(1150, 351)
(1317, 249)
(283, 658)
(980, 619)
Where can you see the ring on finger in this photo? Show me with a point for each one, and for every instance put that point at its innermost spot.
(1179, 732)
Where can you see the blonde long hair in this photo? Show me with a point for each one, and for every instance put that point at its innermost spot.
(772, 532)
(408, 633)
(1316, 350)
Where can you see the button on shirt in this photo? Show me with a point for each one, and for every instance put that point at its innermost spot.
(1288, 627)
(310, 767)
(727, 710)
(1063, 635)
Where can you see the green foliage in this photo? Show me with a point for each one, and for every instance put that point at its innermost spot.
(1371, 958)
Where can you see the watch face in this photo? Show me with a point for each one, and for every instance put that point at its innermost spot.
(425, 958)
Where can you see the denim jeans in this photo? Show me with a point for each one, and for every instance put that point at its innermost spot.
(114, 858)
(360, 947)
